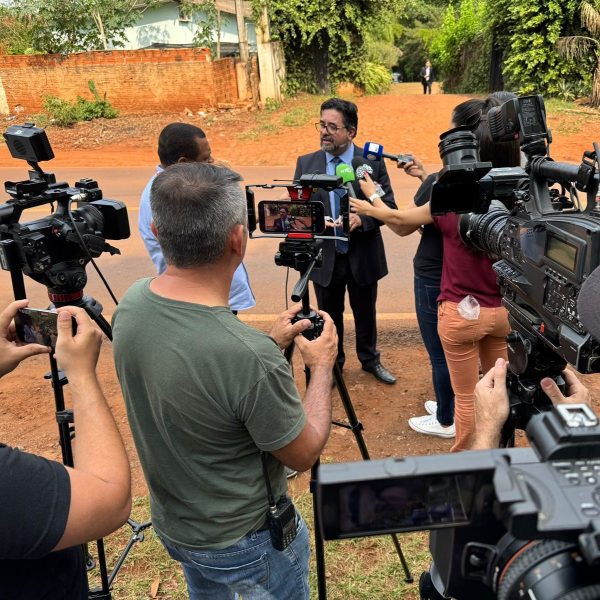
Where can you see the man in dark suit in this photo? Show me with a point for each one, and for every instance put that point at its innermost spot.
(358, 264)
(427, 77)
(283, 223)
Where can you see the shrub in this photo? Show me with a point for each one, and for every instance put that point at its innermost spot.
(65, 114)
(374, 79)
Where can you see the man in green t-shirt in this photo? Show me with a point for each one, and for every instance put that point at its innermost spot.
(206, 393)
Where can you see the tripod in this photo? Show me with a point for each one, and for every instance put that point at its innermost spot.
(303, 256)
(65, 419)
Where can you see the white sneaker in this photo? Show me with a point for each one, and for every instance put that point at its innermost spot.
(429, 425)
(431, 407)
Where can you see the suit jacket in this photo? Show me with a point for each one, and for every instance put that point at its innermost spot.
(366, 254)
(431, 75)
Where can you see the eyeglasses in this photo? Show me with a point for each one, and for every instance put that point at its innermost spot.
(331, 128)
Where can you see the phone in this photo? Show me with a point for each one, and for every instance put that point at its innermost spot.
(280, 216)
(37, 326)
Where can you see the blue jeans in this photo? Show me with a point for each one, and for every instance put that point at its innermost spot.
(426, 293)
(250, 569)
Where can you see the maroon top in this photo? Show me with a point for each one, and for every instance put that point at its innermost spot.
(465, 271)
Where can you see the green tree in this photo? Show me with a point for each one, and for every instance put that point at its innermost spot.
(579, 47)
(53, 26)
(527, 32)
(418, 29)
(324, 40)
(461, 49)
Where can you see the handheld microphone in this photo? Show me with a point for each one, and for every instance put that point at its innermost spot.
(360, 168)
(346, 172)
(373, 151)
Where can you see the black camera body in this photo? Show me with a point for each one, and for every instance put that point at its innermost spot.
(54, 250)
(545, 242)
(504, 522)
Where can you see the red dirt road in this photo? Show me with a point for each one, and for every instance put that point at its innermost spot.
(403, 121)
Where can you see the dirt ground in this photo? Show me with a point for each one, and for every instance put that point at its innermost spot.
(403, 121)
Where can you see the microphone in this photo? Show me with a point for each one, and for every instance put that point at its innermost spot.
(346, 172)
(373, 151)
(360, 168)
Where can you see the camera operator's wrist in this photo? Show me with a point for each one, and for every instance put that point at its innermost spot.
(485, 440)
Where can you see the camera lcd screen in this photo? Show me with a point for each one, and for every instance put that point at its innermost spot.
(532, 118)
(561, 252)
(289, 217)
(405, 504)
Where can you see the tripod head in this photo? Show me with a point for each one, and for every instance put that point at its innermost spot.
(302, 252)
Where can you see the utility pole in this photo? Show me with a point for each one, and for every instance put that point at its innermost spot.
(241, 27)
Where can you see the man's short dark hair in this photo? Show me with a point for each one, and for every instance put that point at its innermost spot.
(178, 140)
(348, 109)
(194, 208)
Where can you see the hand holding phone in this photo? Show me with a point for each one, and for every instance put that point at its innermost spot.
(79, 341)
(12, 351)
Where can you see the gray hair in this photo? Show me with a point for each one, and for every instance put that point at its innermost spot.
(194, 208)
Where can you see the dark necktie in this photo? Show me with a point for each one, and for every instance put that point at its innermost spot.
(341, 246)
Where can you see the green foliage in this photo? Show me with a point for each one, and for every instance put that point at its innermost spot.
(271, 105)
(374, 78)
(204, 15)
(528, 31)
(324, 40)
(46, 26)
(65, 114)
(460, 51)
(382, 53)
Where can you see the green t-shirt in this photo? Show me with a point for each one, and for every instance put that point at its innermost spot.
(203, 392)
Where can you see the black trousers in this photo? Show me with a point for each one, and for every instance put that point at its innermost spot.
(362, 302)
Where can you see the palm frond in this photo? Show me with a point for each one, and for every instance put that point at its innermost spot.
(590, 17)
(576, 46)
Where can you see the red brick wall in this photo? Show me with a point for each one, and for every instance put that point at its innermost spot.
(134, 80)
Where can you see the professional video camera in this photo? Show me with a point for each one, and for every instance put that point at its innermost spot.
(546, 244)
(507, 525)
(55, 249)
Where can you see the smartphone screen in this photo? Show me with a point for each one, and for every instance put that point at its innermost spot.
(277, 216)
(36, 326)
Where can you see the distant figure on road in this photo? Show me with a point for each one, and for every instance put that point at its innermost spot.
(427, 76)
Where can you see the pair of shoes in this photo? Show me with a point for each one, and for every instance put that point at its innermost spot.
(431, 407)
(381, 373)
(290, 473)
(429, 425)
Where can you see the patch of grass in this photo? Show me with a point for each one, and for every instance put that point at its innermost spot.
(361, 569)
(264, 127)
(298, 116)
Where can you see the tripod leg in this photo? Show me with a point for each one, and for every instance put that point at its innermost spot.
(319, 546)
(357, 428)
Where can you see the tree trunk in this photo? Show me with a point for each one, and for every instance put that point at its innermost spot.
(320, 53)
(100, 25)
(595, 101)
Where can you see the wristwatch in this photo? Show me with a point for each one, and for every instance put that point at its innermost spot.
(373, 196)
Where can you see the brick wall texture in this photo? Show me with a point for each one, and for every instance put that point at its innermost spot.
(134, 81)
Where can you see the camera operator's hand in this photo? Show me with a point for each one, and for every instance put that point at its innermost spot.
(284, 331)
(12, 351)
(491, 407)
(577, 393)
(77, 354)
(414, 168)
(322, 351)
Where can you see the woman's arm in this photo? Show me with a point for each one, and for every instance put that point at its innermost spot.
(401, 222)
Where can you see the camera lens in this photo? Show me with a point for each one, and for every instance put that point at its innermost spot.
(458, 146)
(484, 232)
(548, 569)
